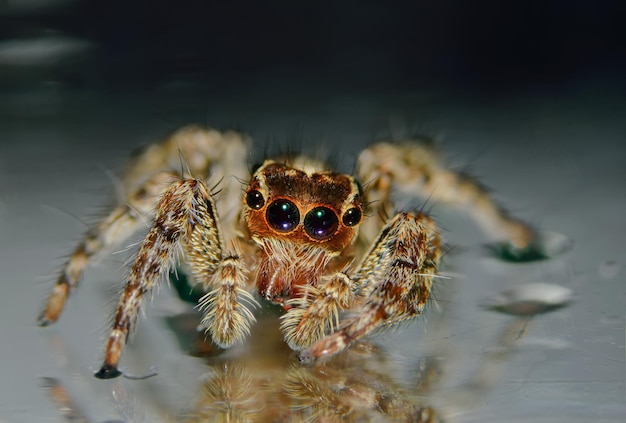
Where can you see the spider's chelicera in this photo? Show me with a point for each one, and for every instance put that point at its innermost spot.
(319, 244)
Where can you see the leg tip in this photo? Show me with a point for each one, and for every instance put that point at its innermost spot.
(43, 321)
(108, 371)
(325, 347)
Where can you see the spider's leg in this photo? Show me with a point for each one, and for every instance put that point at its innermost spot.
(395, 279)
(414, 167)
(118, 226)
(179, 214)
(186, 217)
(208, 154)
(192, 149)
(203, 153)
(316, 313)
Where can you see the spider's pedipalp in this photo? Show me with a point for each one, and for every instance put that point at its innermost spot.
(400, 268)
(316, 313)
(226, 316)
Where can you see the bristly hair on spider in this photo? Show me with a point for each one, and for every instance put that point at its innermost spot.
(340, 260)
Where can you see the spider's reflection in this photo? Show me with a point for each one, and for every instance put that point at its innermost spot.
(264, 382)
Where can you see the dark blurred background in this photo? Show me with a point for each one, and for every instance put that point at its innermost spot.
(486, 48)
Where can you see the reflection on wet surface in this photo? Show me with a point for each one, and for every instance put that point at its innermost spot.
(547, 245)
(267, 383)
(263, 381)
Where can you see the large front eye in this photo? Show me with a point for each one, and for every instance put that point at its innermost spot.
(321, 223)
(282, 215)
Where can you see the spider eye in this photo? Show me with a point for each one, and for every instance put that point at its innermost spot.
(321, 223)
(351, 217)
(282, 215)
(255, 200)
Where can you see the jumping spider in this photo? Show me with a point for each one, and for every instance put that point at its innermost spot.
(310, 239)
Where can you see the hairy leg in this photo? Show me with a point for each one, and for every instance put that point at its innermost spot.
(202, 152)
(395, 281)
(186, 219)
(114, 229)
(415, 167)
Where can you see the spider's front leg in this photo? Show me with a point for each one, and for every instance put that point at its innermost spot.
(394, 279)
(186, 217)
(151, 171)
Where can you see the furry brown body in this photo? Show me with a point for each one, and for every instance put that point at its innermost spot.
(300, 236)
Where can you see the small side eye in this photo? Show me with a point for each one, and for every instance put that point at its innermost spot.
(351, 217)
(255, 200)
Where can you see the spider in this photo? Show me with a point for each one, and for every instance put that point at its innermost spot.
(309, 239)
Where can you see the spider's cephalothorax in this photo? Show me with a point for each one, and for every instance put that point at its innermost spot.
(300, 232)
(300, 221)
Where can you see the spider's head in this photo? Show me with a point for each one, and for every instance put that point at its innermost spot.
(304, 207)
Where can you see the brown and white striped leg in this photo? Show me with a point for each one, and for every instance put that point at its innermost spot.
(186, 217)
(203, 153)
(180, 216)
(415, 167)
(397, 279)
(115, 228)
